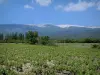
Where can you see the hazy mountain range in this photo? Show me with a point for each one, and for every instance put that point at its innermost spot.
(54, 31)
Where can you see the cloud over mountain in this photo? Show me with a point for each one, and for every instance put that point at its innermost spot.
(80, 6)
(54, 31)
(44, 2)
(28, 6)
(98, 5)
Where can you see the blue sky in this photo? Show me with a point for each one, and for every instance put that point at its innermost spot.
(56, 12)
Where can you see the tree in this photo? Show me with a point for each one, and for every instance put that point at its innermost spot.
(7, 37)
(88, 40)
(32, 37)
(21, 36)
(14, 36)
(1, 36)
(44, 40)
(35, 34)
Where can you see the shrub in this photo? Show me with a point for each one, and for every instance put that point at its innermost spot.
(99, 46)
(44, 40)
(51, 43)
(4, 71)
(88, 40)
(32, 37)
(95, 46)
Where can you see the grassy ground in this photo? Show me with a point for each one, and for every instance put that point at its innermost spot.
(67, 59)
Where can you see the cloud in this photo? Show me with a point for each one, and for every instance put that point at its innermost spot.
(80, 6)
(98, 6)
(59, 7)
(44, 2)
(28, 7)
(69, 25)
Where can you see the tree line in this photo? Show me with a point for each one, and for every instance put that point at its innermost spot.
(34, 38)
(29, 37)
(85, 40)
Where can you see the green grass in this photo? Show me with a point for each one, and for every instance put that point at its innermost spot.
(77, 58)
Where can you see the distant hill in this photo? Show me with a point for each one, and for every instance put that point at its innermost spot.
(54, 31)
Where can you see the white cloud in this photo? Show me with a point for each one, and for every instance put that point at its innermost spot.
(38, 25)
(98, 6)
(64, 26)
(80, 6)
(28, 6)
(59, 7)
(68, 25)
(44, 2)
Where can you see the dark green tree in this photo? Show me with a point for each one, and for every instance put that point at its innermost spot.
(21, 36)
(1, 36)
(44, 40)
(32, 37)
(14, 36)
(88, 40)
(8, 37)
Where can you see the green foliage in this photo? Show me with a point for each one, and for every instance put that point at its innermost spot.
(72, 58)
(91, 40)
(96, 46)
(21, 36)
(44, 40)
(70, 41)
(4, 71)
(51, 43)
(88, 40)
(14, 38)
(32, 37)
(1, 36)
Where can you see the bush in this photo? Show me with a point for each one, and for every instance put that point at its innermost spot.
(91, 40)
(44, 40)
(4, 71)
(99, 47)
(32, 37)
(95, 46)
(88, 40)
(70, 41)
(51, 43)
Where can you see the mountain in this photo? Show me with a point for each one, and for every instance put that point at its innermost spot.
(54, 31)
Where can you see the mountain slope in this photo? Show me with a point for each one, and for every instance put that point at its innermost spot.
(53, 31)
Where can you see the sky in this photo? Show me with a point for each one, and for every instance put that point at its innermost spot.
(56, 12)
